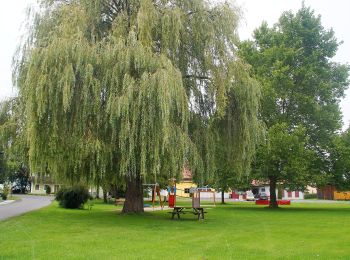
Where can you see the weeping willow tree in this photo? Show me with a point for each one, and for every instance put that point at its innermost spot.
(131, 88)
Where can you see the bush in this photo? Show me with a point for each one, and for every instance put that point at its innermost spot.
(73, 197)
(3, 196)
(310, 196)
(5, 193)
(48, 189)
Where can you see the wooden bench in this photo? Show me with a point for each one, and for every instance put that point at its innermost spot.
(119, 202)
(184, 210)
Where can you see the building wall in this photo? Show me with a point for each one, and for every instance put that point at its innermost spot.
(183, 187)
(292, 195)
(286, 195)
(342, 195)
(94, 192)
(311, 190)
(39, 188)
(326, 193)
(329, 192)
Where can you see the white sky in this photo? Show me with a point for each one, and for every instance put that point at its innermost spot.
(335, 14)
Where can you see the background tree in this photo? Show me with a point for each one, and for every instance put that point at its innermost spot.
(285, 159)
(300, 83)
(236, 135)
(341, 161)
(2, 168)
(112, 87)
(13, 146)
(4, 118)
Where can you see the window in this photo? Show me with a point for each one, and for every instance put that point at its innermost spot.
(263, 189)
(289, 194)
(37, 187)
(187, 190)
(297, 194)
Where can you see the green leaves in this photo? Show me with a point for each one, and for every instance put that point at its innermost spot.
(299, 89)
(111, 87)
(285, 156)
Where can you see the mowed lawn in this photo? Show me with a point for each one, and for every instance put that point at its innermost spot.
(232, 231)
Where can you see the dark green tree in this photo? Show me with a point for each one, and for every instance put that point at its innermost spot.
(301, 86)
(341, 161)
(20, 178)
(4, 119)
(2, 168)
(284, 159)
(13, 145)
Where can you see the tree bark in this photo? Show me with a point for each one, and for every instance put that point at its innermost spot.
(133, 195)
(98, 190)
(104, 190)
(114, 190)
(273, 197)
(222, 196)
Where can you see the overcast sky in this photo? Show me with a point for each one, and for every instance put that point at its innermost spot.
(335, 14)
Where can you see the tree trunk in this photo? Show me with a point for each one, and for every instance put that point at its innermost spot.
(273, 197)
(114, 190)
(98, 190)
(104, 195)
(133, 195)
(222, 196)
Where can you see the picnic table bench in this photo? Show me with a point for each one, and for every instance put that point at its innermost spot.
(183, 210)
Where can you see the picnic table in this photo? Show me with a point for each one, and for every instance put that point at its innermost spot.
(183, 210)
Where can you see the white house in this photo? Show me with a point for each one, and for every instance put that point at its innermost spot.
(258, 188)
(39, 183)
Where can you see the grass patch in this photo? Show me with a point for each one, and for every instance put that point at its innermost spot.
(232, 231)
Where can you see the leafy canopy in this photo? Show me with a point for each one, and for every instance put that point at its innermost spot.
(132, 88)
(301, 86)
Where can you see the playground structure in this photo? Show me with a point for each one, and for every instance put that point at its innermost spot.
(195, 194)
(155, 192)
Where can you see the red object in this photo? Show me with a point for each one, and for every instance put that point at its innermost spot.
(261, 202)
(266, 202)
(297, 194)
(235, 195)
(171, 201)
(283, 202)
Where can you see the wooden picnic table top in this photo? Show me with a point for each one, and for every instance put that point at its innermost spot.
(195, 210)
(187, 207)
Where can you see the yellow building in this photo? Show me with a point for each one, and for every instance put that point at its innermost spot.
(183, 186)
(342, 195)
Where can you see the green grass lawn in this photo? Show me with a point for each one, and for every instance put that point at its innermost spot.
(233, 231)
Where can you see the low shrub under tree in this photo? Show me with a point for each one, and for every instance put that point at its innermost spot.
(73, 197)
(5, 193)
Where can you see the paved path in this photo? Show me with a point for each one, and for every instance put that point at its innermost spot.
(27, 203)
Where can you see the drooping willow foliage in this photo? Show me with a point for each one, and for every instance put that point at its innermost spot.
(136, 88)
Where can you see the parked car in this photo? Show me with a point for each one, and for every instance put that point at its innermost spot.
(263, 196)
(250, 196)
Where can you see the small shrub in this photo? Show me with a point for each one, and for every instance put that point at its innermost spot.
(5, 193)
(48, 189)
(72, 197)
(310, 196)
